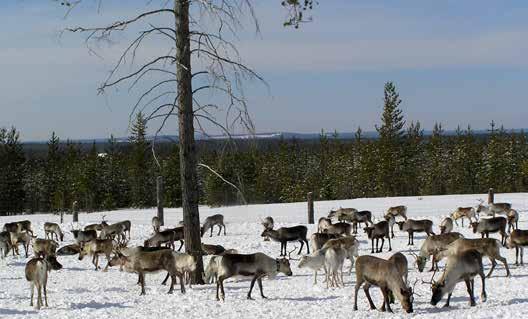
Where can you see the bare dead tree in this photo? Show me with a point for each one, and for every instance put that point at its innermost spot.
(198, 33)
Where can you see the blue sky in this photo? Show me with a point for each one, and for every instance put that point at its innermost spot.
(454, 62)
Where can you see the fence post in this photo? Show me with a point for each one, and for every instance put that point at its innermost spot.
(74, 212)
(159, 197)
(491, 196)
(310, 208)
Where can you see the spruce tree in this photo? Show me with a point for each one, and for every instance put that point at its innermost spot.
(390, 142)
(140, 182)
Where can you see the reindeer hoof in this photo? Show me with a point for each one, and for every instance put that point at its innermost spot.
(446, 305)
(249, 298)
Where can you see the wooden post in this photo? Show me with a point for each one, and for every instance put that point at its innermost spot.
(491, 196)
(310, 208)
(75, 213)
(159, 197)
(62, 216)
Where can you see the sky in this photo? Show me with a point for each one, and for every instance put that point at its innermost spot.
(454, 62)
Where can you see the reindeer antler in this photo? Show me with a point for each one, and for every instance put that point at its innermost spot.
(289, 253)
(432, 282)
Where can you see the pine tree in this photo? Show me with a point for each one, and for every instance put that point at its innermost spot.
(390, 142)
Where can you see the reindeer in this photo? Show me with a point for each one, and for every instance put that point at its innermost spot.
(12, 227)
(211, 271)
(83, 236)
(334, 258)
(494, 208)
(257, 265)
(491, 225)
(400, 261)
(23, 238)
(212, 249)
(95, 227)
(317, 240)
(342, 214)
(267, 223)
(44, 247)
(446, 226)
(178, 235)
(69, 250)
(358, 217)
(113, 231)
(37, 274)
(285, 234)
(25, 225)
(485, 246)
(162, 237)
(96, 247)
(185, 264)
(340, 229)
(391, 220)
(142, 262)
(323, 224)
(518, 239)
(315, 262)
(412, 226)
(349, 244)
(51, 229)
(212, 221)
(373, 271)
(156, 224)
(463, 266)
(431, 246)
(376, 232)
(397, 211)
(513, 220)
(5, 244)
(464, 212)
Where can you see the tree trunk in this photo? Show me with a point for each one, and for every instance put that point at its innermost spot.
(491, 196)
(311, 218)
(159, 197)
(188, 167)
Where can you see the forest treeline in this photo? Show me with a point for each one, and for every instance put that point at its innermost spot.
(402, 161)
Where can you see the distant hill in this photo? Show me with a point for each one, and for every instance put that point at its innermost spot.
(260, 136)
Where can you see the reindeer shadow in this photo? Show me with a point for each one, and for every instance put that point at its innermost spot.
(5, 311)
(517, 301)
(310, 299)
(97, 305)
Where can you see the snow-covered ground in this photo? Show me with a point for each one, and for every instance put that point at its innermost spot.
(77, 291)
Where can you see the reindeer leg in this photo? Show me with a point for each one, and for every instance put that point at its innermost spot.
(505, 262)
(224, 230)
(307, 245)
(182, 283)
(181, 245)
(300, 249)
(39, 296)
(259, 281)
(483, 295)
(372, 250)
(448, 300)
(386, 301)
(251, 286)
(45, 293)
(211, 231)
(390, 248)
(217, 289)
(359, 282)
(164, 282)
(382, 244)
(366, 288)
(493, 264)
(32, 285)
(522, 255)
(470, 292)
(107, 262)
(142, 282)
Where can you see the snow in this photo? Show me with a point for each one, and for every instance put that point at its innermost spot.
(77, 291)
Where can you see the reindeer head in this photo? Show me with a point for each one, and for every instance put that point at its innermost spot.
(406, 299)
(53, 264)
(474, 225)
(368, 230)
(283, 266)
(400, 225)
(420, 261)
